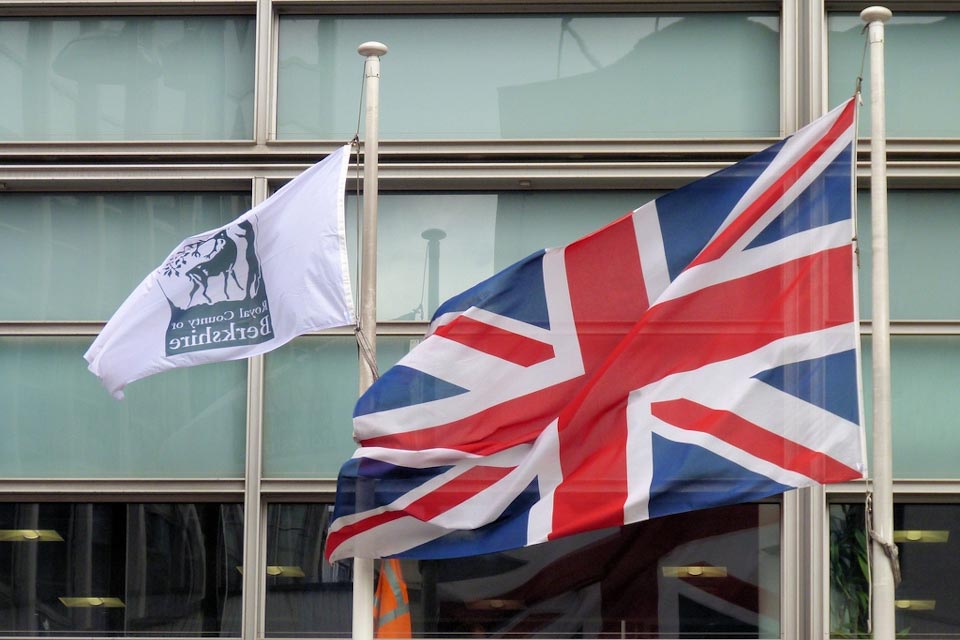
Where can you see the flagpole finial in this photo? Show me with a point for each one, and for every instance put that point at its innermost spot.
(372, 48)
(873, 14)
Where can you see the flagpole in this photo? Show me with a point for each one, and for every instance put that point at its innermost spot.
(363, 595)
(883, 615)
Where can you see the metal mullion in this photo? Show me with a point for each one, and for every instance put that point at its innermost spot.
(218, 153)
(790, 51)
(791, 560)
(263, 77)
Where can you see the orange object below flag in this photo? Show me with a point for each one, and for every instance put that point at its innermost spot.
(391, 608)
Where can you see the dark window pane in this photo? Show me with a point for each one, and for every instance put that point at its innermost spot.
(116, 569)
(713, 573)
(305, 594)
(927, 600)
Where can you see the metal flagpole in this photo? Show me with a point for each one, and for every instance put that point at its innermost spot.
(363, 567)
(881, 523)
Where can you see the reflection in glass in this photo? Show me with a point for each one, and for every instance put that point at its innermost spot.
(922, 249)
(927, 600)
(924, 378)
(921, 104)
(536, 76)
(713, 573)
(482, 234)
(129, 570)
(130, 78)
(316, 600)
(88, 251)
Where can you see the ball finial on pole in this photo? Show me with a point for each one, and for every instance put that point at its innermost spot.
(873, 14)
(372, 48)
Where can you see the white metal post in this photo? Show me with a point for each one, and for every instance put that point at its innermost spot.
(884, 619)
(363, 567)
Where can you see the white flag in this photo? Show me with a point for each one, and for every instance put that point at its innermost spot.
(246, 288)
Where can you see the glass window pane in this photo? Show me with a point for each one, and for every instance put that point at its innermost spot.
(306, 596)
(311, 387)
(474, 236)
(89, 251)
(927, 600)
(924, 386)
(924, 261)
(713, 573)
(57, 420)
(922, 76)
(127, 78)
(107, 570)
(535, 76)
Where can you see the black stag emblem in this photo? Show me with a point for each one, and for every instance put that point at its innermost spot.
(219, 259)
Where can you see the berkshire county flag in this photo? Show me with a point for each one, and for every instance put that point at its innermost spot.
(700, 351)
(275, 272)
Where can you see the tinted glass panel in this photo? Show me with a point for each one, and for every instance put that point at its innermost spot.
(922, 77)
(120, 570)
(535, 76)
(311, 387)
(435, 245)
(57, 420)
(923, 372)
(923, 256)
(713, 573)
(927, 601)
(306, 596)
(129, 78)
(78, 256)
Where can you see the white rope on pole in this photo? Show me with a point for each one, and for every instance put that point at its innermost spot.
(883, 616)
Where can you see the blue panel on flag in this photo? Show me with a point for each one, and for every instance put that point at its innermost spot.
(690, 216)
(509, 531)
(402, 386)
(516, 292)
(688, 477)
(368, 484)
(829, 383)
(826, 200)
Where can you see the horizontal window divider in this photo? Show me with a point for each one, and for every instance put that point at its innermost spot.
(893, 5)
(118, 8)
(307, 151)
(423, 176)
(527, 6)
(92, 328)
(121, 490)
(419, 329)
(916, 327)
(297, 489)
(947, 490)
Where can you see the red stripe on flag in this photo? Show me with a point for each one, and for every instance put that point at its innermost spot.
(726, 320)
(495, 341)
(726, 239)
(434, 503)
(607, 295)
(500, 427)
(455, 492)
(341, 535)
(753, 439)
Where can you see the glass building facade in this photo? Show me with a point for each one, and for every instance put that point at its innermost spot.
(197, 507)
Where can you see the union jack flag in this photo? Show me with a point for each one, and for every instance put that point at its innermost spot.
(700, 351)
